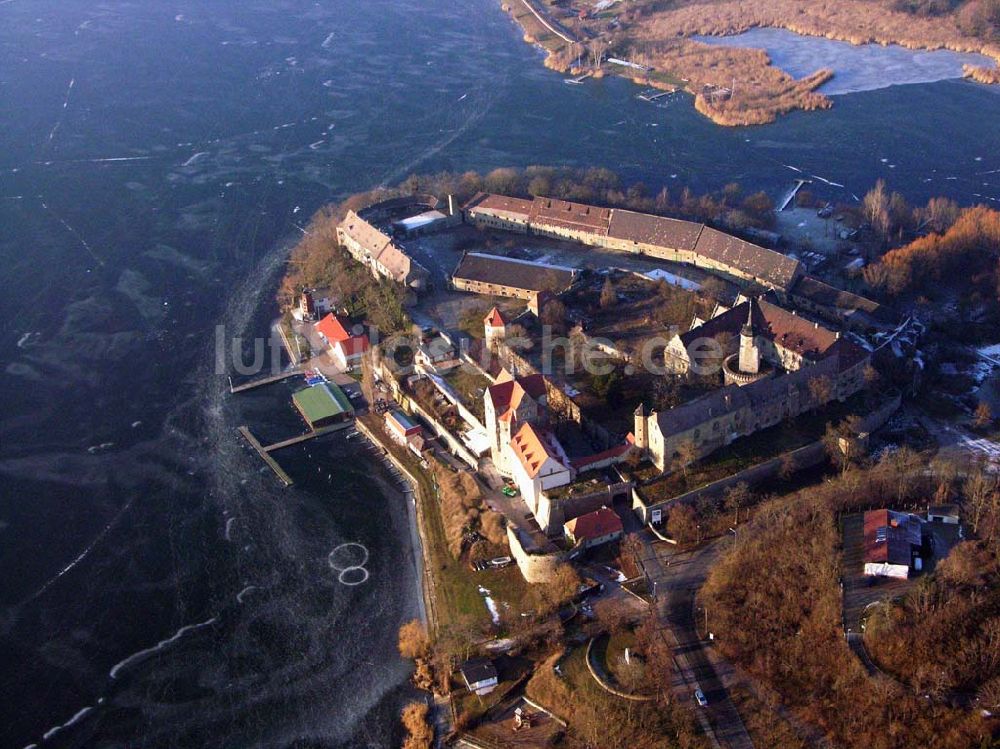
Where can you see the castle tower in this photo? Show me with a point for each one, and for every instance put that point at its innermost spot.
(749, 353)
(641, 422)
(494, 328)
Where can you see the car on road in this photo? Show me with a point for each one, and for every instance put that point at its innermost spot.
(699, 697)
(509, 491)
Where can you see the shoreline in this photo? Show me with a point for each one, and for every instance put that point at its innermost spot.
(417, 524)
(427, 604)
(704, 70)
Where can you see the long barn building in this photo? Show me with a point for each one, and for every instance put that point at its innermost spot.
(628, 231)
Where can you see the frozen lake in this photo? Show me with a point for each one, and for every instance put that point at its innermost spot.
(864, 67)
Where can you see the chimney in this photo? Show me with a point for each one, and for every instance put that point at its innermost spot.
(451, 205)
(816, 325)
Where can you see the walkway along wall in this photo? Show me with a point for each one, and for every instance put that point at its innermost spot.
(453, 443)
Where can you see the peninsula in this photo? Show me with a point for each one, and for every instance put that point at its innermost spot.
(630, 420)
(653, 44)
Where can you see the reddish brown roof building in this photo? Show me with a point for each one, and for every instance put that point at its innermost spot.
(891, 543)
(594, 528)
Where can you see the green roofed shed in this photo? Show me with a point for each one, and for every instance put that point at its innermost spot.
(323, 404)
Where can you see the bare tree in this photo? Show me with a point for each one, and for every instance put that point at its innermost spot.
(609, 296)
(737, 497)
(821, 390)
(685, 455)
(876, 205)
(983, 416)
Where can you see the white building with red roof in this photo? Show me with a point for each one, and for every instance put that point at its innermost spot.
(595, 528)
(538, 463)
(510, 402)
(346, 347)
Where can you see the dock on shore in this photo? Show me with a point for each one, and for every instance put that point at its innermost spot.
(645, 96)
(792, 193)
(307, 436)
(262, 452)
(264, 380)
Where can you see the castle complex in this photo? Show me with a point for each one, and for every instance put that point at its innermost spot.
(776, 365)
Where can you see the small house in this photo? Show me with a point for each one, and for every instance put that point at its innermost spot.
(947, 514)
(400, 427)
(480, 675)
(892, 543)
(314, 304)
(595, 528)
(437, 355)
(348, 354)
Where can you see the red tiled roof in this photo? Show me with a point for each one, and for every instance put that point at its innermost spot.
(788, 330)
(533, 446)
(889, 537)
(595, 524)
(580, 464)
(495, 318)
(509, 393)
(501, 205)
(333, 328)
(354, 346)
(573, 216)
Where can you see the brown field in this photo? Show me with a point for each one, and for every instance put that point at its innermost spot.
(657, 34)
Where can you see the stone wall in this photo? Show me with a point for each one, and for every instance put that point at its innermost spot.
(804, 457)
(536, 567)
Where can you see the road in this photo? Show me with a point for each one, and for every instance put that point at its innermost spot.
(956, 441)
(675, 576)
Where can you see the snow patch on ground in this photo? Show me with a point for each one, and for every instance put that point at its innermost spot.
(490, 604)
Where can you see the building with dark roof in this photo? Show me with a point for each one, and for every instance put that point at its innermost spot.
(479, 675)
(502, 276)
(629, 231)
(840, 306)
(643, 232)
(785, 338)
(892, 543)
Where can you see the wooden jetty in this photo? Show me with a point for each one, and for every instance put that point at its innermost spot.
(792, 193)
(579, 79)
(645, 96)
(262, 452)
(307, 436)
(264, 380)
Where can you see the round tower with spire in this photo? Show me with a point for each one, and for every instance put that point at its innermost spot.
(746, 366)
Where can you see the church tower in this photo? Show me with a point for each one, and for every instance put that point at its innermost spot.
(641, 425)
(749, 353)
